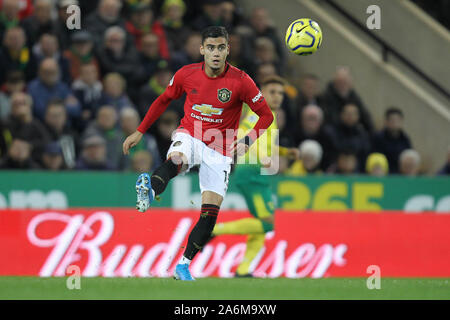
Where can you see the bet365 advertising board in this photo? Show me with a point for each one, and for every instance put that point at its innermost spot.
(94, 190)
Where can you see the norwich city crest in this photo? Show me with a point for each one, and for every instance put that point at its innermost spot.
(224, 95)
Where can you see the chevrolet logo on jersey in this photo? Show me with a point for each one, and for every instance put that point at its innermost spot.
(207, 109)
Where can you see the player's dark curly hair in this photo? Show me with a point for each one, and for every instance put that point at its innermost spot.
(214, 32)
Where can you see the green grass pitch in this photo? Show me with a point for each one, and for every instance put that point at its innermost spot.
(215, 288)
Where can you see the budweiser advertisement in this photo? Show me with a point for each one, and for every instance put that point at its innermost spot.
(124, 243)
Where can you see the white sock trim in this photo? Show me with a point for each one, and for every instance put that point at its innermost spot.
(185, 260)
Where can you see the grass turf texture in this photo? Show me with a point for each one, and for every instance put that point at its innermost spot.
(215, 288)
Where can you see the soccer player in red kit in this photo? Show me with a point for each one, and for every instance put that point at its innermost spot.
(215, 92)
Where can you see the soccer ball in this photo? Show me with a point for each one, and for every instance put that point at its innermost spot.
(303, 36)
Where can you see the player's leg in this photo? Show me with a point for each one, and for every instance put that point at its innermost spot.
(200, 234)
(178, 156)
(213, 178)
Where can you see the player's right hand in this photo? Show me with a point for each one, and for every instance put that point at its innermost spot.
(132, 140)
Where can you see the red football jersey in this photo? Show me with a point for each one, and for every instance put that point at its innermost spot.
(212, 103)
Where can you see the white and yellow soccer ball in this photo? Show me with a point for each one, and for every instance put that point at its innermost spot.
(303, 36)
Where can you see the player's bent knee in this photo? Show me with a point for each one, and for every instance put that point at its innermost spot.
(179, 158)
(268, 223)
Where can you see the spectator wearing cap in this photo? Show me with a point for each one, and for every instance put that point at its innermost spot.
(312, 127)
(19, 156)
(310, 156)
(48, 47)
(129, 121)
(94, 155)
(80, 52)
(114, 92)
(22, 124)
(105, 126)
(48, 86)
(63, 33)
(409, 163)
(171, 22)
(39, 22)
(9, 16)
(15, 55)
(52, 158)
(88, 90)
(445, 170)
(211, 15)
(262, 26)
(60, 132)
(340, 92)
(377, 165)
(392, 139)
(155, 87)
(115, 56)
(350, 134)
(106, 16)
(15, 82)
(190, 54)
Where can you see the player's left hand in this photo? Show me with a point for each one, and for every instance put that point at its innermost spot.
(238, 148)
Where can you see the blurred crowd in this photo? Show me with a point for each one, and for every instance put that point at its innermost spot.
(69, 97)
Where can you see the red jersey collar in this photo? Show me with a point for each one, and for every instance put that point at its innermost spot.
(220, 75)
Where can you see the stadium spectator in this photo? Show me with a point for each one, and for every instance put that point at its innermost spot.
(349, 134)
(21, 124)
(392, 139)
(149, 58)
(129, 121)
(263, 27)
(19, 156)
(48, 47)
(377, 165)
(15, 55)
(190, 54)
(115, 56)
(142, 161)
(310, 157)
(81, 52)
(114, 92)
(171, 22)
(239, 56)
(63, 33)
(94, 155)
(15, 82)
(264, 70)
(346, 163)
(409, 162)
(445, 170)
(211, 15)
(52, 158)
(88, 90)
(309, 93)
(312, 127)
(264, 52)
(140, 21)
(105, 126)
(48, 86)
(39, 22)
(231, 15)
(60, 131)
(340, 92)
(155, 87)
(106, 16)
(9, 16)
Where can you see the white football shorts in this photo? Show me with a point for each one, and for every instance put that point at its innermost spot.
(214, 168)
